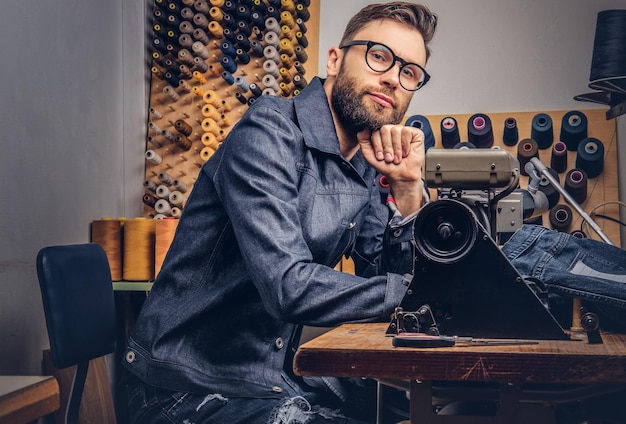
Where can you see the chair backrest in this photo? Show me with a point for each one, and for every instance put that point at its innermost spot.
(78, 302)
(79, 307)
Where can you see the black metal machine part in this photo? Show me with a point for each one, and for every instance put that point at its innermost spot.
(464, 286)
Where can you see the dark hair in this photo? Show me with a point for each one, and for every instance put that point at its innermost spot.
(414, 15)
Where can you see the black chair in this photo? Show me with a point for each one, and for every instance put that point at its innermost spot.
(79, 307)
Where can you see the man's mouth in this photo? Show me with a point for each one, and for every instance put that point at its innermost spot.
(382, 100)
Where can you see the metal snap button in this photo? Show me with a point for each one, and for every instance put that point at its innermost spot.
(130, 356)
(279, 343)
(398, 232)
(277, 389)
(351, 225)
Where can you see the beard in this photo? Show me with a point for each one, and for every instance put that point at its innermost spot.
(352, 112)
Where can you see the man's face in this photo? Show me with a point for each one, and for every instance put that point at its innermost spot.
(364, 99)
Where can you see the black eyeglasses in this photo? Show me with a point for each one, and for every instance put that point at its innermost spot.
(381, 58)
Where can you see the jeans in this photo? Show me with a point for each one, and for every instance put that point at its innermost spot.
(573, 267)
(151, 405)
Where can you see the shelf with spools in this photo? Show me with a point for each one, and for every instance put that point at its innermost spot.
(211, 59)
(595, 153)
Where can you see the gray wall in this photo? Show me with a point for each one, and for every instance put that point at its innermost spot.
(72, 116)
(73, 102)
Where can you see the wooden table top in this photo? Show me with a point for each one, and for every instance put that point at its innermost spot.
(363, 350)
(24, 399)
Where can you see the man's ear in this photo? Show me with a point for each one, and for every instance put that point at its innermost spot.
(335, 56)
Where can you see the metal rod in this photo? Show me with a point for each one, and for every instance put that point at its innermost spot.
(543, 170)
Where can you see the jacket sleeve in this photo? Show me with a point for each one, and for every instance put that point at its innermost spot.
(257, 181)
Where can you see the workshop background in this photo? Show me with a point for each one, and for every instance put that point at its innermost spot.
(74, 90)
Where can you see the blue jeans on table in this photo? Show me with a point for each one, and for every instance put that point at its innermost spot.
(150, 405)
(571, 267)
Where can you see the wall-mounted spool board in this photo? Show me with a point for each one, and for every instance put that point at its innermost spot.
(206, 56)
(600, 189)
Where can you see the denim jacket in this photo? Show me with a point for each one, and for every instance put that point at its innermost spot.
(270, 215)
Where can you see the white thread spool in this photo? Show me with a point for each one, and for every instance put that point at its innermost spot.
(176, 198)
(271, 53)
(163, 191)
(271, 24)
(153, 157)
(270, 82)
(271, 39)
(270, 67)
(176, 212)
(163, 207)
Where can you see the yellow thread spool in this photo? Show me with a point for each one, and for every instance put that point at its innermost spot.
(286, 18)
(197, 91)
(216, 29)
(199, 77)
(211, 97)
(288, 5)
(286, 46)
(210, 111)
(216, 13)
(164, 234)
(210, 140)
(209, 125)
(206, 153)
(107, 232)
(139, 235)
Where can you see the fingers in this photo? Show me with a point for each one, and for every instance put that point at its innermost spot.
(391, 143)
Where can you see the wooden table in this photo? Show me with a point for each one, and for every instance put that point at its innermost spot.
(363, 350)
(26, 398)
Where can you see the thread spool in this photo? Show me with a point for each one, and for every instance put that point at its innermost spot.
(526, 149)
(153, 157)
(549, 190)
(479, 131)
(206, 153)
(608, 63)
(163, 191)
(464, 145)
(107, 232)
(210, 111)
(180, 186)
(590, 157)
(510, 134)
(183, 127)
(183, 142)
(422, 122)
(558, 160)
(270, 67)
(176, 212)
(165, 178)
(560, 217)
(576, 184)
(149, 200)
(210, 139)
(138, 259)
(150, 185)
(212, 98)
(449, 132)
(541, 130)
(163, 207)
(165, 229)
(574, 127)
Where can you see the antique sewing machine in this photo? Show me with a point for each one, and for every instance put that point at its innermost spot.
(463, 285)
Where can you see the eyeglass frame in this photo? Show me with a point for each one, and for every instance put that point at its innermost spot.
(396, 58)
